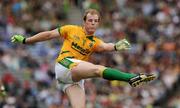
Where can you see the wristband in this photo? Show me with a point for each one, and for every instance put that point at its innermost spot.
(115, 48)
(24, 41)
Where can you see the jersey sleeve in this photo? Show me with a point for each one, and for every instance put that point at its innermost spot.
(64, 30)
(98, 42)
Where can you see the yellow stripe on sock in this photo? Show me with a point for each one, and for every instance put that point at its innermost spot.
(102, 70)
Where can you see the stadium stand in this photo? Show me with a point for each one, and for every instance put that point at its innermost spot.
(152, 26)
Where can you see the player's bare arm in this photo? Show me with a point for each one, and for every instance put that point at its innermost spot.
(105, 47)
(119, 46)
(42, 36)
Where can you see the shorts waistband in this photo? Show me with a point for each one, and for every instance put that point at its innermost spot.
(67, 63)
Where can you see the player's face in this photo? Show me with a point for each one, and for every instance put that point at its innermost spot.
(91, 23)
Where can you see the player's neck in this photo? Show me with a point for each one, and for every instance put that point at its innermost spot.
(86, 32)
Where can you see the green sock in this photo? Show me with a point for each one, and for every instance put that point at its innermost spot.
(114, 74)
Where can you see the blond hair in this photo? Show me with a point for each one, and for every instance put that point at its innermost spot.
(92, 12)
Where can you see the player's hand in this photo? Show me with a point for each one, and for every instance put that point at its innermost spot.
(18, 39)
(122, 45)
(2, 91)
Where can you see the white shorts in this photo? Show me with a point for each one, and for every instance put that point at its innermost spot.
(64, 77)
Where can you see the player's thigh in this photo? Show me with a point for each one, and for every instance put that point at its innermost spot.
(86, 70)
(64, 77)
(76, 96)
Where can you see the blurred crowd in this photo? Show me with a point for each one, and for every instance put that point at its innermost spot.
(151, 26)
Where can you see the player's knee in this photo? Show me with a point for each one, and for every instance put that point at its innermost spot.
(97, 70)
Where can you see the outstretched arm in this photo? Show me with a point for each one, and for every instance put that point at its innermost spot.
(42, 36)
(119, 46)
(105, 47)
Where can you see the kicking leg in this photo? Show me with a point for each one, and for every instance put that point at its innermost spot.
(88, 70)
(133, 79)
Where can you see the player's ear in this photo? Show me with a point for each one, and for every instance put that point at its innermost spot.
(84, 18)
